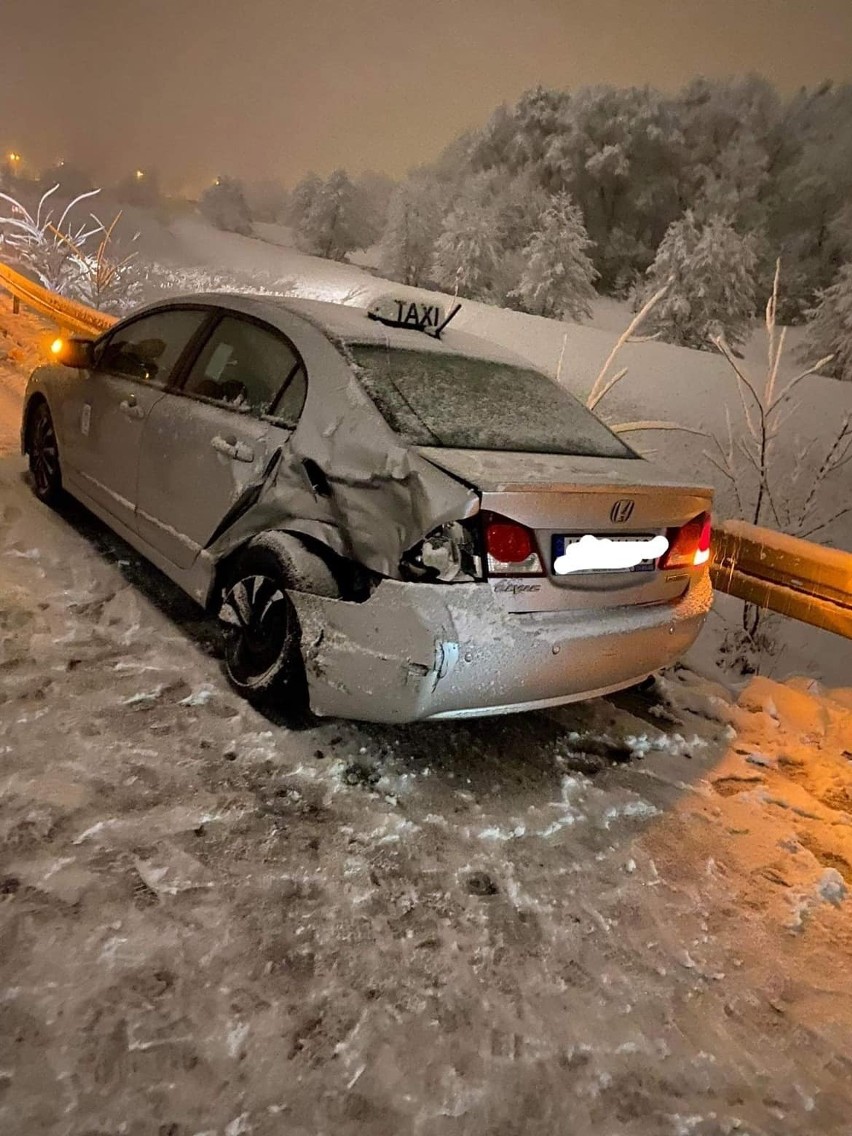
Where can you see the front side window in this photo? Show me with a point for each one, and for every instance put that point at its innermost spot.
(148, 348)
(246, 368)
(456, 402)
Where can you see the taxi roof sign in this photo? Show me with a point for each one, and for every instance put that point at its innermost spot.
(400, 311)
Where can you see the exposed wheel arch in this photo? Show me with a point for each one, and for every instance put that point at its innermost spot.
(308, 566)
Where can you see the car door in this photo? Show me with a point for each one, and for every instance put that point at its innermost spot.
(208, 442)
(133, 365)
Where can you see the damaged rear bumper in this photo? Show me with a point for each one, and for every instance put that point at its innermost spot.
(417, 651)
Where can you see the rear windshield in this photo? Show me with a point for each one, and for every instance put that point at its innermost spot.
(455, 402)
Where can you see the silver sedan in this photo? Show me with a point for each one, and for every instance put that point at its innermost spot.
(394, 520)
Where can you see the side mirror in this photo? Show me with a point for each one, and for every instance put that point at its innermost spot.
(73, 352)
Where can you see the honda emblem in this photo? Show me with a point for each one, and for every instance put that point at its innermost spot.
(621, 511)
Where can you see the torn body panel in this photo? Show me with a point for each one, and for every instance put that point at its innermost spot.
(374, 498)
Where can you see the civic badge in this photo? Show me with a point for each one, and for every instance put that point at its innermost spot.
(621, 511)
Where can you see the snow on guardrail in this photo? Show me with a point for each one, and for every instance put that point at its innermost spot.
(67, 314)
(794, 577)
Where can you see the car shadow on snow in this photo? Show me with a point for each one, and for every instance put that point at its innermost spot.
(144, 576)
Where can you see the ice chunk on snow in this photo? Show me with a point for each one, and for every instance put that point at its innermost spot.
(832, 887)
(629, 809)
(502, 833)
(198, 697)
(142, 697)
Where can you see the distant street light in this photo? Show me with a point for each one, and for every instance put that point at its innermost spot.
(14, 158)
(140, 174)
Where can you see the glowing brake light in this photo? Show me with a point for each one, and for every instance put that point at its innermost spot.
(689, 546)
(702, 553)
(511, 549)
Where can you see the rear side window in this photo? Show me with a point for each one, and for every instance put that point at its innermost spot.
(455, 402)
(148, 348)
(245, 367)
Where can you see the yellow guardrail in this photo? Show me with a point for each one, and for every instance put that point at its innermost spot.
(794, 577)
(797, 578)
(67, 314)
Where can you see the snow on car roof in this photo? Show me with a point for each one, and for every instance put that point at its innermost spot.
(352, 325)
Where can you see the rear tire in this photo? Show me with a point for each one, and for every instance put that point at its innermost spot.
(43, 453)
(263, 658)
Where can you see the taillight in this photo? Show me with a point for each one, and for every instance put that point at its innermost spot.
(511, 549)
(689, 546)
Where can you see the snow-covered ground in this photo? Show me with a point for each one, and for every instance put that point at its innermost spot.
(630, 916)
(631, 912)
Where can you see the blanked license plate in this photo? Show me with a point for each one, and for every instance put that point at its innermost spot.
(596, 554)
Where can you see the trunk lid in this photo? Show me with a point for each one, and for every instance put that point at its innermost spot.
(564, 497)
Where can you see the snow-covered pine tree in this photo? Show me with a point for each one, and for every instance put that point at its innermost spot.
(413, 224)
(224, 205)
(469, 247)
(711, 273)
(558, 280)
(830, 326)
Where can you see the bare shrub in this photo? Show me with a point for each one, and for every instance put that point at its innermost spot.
(763, 488)
(43, 248)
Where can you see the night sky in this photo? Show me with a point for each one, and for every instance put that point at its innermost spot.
(272, 88)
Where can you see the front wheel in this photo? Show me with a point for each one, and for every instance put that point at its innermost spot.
(43, 451)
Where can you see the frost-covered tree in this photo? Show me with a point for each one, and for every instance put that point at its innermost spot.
(224, 205)
(336, 221)
(711, 272)
(617, 152)
(558, 278)
(830, 326)
(633, 159)
(811, 190)
(302, 198)
(468, 250)
(731, 140)
(520, 204)
(412, 228)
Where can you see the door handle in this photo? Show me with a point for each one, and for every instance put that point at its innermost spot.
(230, 447)
(130, 409)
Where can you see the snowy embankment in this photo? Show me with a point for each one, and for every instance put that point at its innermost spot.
(692, 388)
